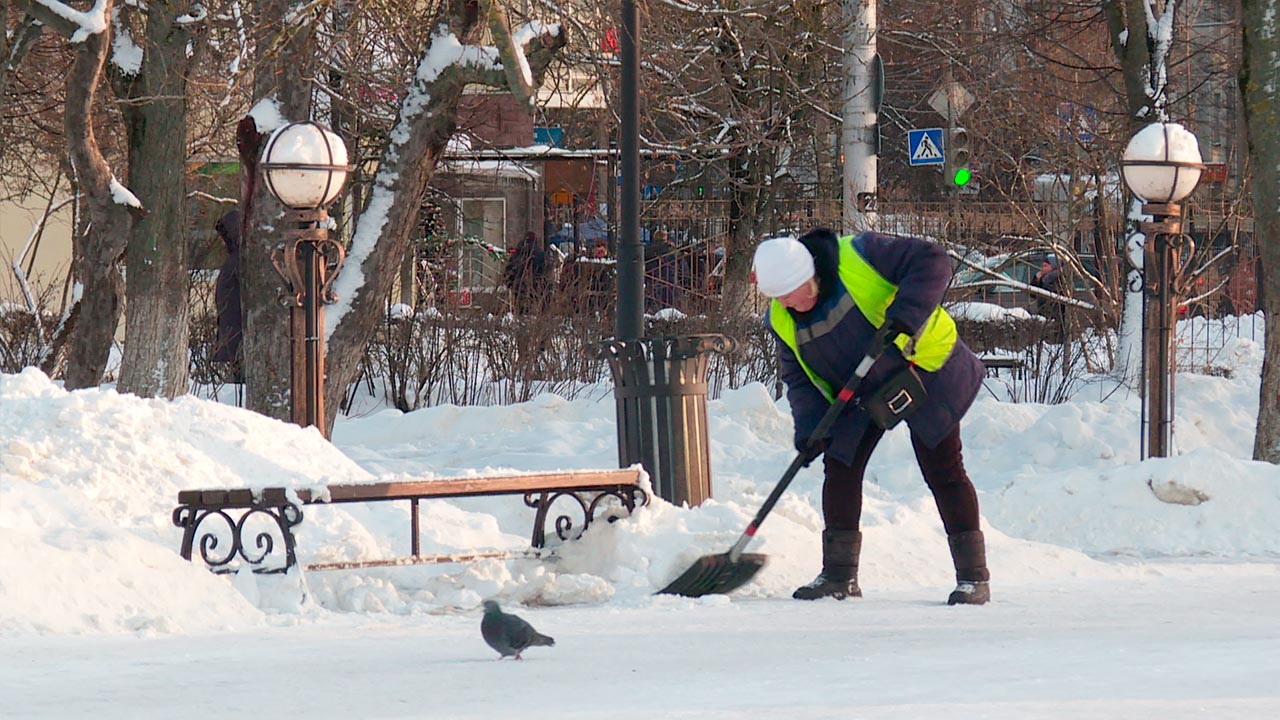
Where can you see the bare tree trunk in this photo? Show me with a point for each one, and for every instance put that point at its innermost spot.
(284, 76)
(1127, 24)
(398, 191)
(97, 259)
(96, 316)
(156, 354)
(744, 221)
(750, 189)
(417, 143)
(1258, 80)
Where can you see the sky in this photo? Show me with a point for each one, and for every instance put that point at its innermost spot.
(1121, 589)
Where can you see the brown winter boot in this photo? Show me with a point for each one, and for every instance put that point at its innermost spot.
(969, 552)
(839, 576)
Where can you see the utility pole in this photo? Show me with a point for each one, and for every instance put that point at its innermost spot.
(859, 134)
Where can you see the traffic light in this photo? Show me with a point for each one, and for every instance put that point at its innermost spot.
(958, 153)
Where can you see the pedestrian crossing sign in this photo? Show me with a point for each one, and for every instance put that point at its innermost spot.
(925, 147)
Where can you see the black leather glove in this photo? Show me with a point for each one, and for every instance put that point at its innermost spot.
(811, 453)
(889, 332)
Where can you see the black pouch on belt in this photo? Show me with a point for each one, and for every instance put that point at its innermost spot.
(896, 400)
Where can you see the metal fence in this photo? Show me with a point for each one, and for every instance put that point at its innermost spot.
(689, 279)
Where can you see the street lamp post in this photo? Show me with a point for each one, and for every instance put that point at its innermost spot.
(1161, 165)
(659, 383)
(629, 320)
(305, 166)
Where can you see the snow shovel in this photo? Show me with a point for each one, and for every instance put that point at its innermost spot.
(724, 573)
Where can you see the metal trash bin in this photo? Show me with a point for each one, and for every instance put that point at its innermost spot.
(660, 386)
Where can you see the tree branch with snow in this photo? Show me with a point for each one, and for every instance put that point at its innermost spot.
(426, 121)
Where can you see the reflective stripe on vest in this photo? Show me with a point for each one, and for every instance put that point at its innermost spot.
(872, 294)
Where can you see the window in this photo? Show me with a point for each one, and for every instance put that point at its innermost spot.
(483, 219)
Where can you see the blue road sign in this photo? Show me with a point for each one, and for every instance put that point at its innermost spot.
(553, 136)
(1078, 122)
(925, 147)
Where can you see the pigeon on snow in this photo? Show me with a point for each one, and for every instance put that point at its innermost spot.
(508, 634)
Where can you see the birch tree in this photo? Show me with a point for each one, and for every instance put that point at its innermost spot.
(1141, 31)
(1143, 34)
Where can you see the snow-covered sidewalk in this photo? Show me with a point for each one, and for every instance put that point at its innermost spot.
(1162, 641)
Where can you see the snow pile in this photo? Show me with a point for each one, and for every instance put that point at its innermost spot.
(89, 480)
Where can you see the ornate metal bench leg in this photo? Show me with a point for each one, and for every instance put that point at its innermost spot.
(184, 516)
(586, 502)
(637, 496)
(564, 523)
(285, 516)
(290, 515)
(542, 502)
(628, 497)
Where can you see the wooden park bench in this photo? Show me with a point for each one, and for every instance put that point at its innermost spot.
(238, 516)
(994, 364)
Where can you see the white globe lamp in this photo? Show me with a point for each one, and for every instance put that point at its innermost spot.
(305, 165)
(1162, 163)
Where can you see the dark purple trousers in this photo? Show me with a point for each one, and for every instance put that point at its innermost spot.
(943, 469)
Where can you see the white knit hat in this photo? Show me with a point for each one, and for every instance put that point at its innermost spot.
(781, 265)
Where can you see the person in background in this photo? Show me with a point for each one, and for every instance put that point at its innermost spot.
(835, 301)
(1049, 278)
(226, 299)
(661, 269)
(526, 275)
(1050, 275)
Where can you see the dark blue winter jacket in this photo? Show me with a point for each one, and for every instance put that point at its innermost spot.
(921, 270)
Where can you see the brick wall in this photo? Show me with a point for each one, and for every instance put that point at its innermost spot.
(495, 121)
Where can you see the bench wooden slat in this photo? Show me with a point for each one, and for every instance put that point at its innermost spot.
(449, 487)
(462, 487)
(212, 497)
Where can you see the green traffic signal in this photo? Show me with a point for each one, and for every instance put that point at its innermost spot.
(958, 151)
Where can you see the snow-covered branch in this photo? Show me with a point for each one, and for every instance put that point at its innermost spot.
(79, 25)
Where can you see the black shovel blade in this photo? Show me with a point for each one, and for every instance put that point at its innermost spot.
(716, 574)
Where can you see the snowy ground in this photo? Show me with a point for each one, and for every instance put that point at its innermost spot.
(1109, 599)
(1164, 641)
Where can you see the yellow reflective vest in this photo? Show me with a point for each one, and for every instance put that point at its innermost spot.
(928, 349)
